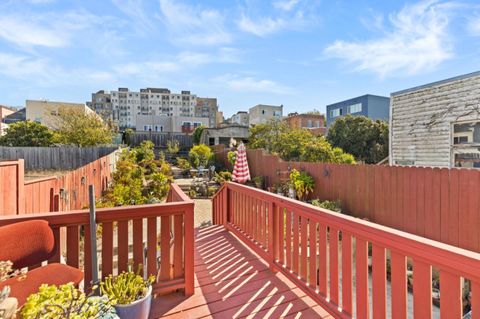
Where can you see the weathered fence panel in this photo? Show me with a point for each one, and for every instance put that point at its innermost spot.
(160, 139)
(437, 203)
(58, 158)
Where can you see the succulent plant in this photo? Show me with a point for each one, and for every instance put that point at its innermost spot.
(125, 288)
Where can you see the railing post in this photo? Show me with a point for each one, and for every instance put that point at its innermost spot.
(271, 235)
(226, 207)
(189, 253)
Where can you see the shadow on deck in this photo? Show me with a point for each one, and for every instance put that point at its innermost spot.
(233, 282)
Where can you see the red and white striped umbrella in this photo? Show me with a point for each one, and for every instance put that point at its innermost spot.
(241, 173)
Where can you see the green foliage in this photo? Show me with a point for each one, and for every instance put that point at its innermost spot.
(365, 139)
(183, 163)
(65, 301)
(138, 178)
(173, 147)
(295, 144)
(200, 155)
(125, 288)
(197, 134)
(258, 180)
(302, 183)
(27, 133)
(82, 129)
(333, 205)
(128, 136)
(232, 157)
(223, 177)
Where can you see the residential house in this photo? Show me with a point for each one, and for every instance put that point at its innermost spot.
(372, 106)
(240, 118)
(223, 135)
(437, 124)
(46, 112)
(262, 113)
(171, 124)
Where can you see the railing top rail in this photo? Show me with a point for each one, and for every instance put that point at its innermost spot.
(40, 179)
(79, 217)
(219, 190)
(178, 191)
(439, 254)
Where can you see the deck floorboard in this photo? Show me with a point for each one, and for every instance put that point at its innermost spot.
(231, 281)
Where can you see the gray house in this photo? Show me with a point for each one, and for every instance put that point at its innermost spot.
(437, 124)
(372, 106)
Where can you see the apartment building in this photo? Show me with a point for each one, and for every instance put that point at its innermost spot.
(314, 122)
(172, 124)
(123, 106)
(372, 106)
(207, 107)
(45, 112)
(262, 113)
(241, 118)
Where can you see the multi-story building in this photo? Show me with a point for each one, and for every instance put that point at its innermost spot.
(311, 121)
(173, 124)
(262, 113)
(101, 103)
(124, 106)
(241, 118)
(372, 106)
(207, 107)
(46, 112)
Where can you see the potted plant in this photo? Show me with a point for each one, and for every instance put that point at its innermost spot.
(66, 301)
(129, 293)
(258, 180)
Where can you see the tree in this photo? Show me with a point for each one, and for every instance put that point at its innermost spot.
(82, 129)
(27, 133)
(295, 144)
(200, 155)
(197, 134)
(365, 139)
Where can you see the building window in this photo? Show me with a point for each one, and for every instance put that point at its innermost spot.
(355, 108)
(309, 123)
(277, 113)
(466, 144)
(263, 111)
(335, 112)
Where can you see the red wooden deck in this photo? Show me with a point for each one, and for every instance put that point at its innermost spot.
(233, 282)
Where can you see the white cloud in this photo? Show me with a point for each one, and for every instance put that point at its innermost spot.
(22, 67)
(418, 42)
(286, 5)
(133, 9)
(193, 24)
(288, 19)
(474, 26)
(250, 84)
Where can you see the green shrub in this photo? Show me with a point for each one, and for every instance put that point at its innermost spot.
(125, 288)
(302, 183)
(200, 155)
(65, 301)
(232, 157)
(183, 163)
(334, 205)
(223, 177)
(197, 134)
(173, 147)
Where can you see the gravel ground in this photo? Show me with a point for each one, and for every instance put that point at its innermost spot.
(203, 212)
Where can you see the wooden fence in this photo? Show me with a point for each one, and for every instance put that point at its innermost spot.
(160, 139)
(67, 192)
(440, 204)
(58, 158)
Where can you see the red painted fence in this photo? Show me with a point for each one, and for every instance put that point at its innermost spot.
(66, 192)
(439, 204)
(165, 231)
(327, 255)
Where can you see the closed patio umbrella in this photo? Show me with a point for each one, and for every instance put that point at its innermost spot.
(241, 173)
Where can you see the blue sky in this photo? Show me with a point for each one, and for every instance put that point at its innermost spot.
(303, 54)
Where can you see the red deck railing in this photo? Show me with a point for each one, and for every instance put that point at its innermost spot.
(164, 231)
(287, 233)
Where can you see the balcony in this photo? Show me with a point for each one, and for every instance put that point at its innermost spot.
(268, 256)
